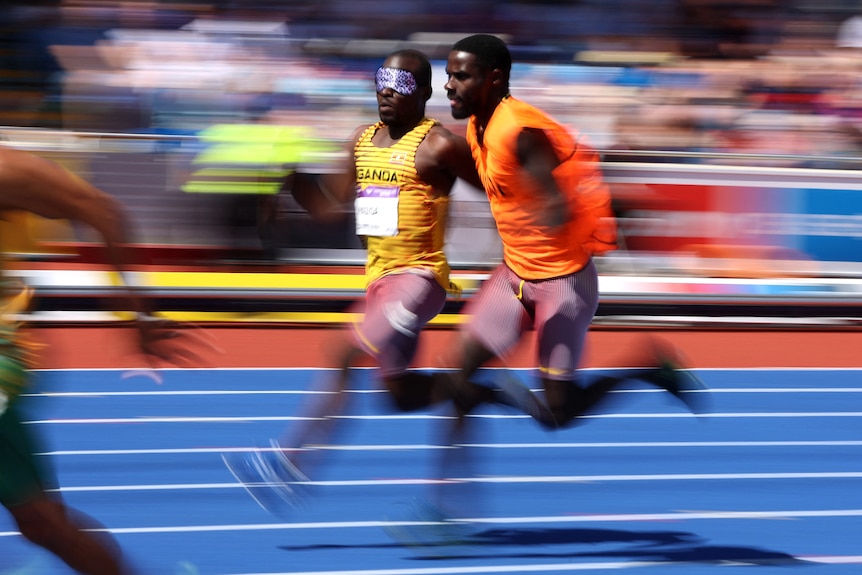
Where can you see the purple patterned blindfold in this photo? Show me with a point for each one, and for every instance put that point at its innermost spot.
(396, 79)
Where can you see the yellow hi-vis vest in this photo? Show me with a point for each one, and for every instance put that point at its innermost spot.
(252, 158)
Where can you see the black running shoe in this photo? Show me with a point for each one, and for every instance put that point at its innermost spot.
(681, 383)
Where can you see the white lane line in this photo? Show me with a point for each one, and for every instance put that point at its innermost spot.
(603, 566)
(426, 447)
(650, 390)
(419, 417)
(164, 419)
(599, 518)
(252, 392)
(774, 390)
(182, 392)
(552, 567)
(832, 559)
(495, 479)
(596, 566)
(207, 450)
(647, 444)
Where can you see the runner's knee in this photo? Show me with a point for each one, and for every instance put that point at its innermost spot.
(40, 521)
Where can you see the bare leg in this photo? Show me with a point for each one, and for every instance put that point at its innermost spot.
(49, 524)
(567, 400)
(322, 425)
(466, 396)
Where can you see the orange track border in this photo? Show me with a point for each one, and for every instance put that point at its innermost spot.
(268, 346)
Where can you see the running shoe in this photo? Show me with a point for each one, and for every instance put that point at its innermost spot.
(186, 568)
(270, 478)
(429, 530)
(681, 383)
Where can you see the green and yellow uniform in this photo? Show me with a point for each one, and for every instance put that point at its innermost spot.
(402, 219)
(22, 475)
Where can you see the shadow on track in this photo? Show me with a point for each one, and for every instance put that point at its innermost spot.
(649, 546)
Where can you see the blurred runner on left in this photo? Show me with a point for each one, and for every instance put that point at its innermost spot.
(32, 184)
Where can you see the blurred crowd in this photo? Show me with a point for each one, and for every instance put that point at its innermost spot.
(778, 77)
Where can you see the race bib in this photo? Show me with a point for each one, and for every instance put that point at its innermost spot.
(376, 210)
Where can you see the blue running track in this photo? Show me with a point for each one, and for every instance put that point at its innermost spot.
(769, 481)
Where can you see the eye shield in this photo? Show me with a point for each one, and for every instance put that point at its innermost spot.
(396, 79)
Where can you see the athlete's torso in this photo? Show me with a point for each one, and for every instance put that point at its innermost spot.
(402, 219)
(530, 249)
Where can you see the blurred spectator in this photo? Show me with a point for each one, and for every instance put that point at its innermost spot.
(725, 29)
(143, 65)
